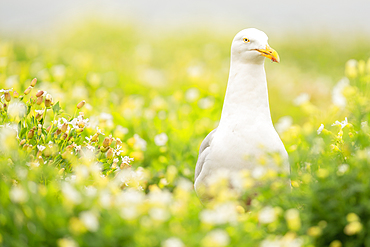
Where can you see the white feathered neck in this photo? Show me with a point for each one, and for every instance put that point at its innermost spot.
(246, 98)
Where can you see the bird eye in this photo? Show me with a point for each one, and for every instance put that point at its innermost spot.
(246, 40)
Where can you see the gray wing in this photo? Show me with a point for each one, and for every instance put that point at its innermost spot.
(203, 152)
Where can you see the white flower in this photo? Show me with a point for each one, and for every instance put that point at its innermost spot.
(206, 103)
(40, 148)
(105, 199)
(131, 178)
(217, 237)
(223, 213)
(99, 131)
(117, 151)
(76, 122)
(301, 99)
(270, 243)
(6, 90)
(139, 142)
(18, 195)
(107, 118)
(126, 160)
(71, 193)
(161, 139)
(153, 77)
(91, 190)
(91, 148)
(121, 130)
(40, 111)
(342, 169)
(258, 171)
(60, 122)
(78, 148)
(90, 221)
(8, 135)
(17, 109)
(158, 213)
(115, 160)
(267, 215)
(160, 197)
(184, 184)
(130, 199)
(195, 71)
(283, 124)
(319, 130)
(58, 70)
(341, 124)
(337, 95)
(67, 242)
(173, 242)
(192, 94)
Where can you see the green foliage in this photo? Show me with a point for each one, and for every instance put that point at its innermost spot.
(64, 183)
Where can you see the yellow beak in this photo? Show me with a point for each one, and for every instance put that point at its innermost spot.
(269, 53)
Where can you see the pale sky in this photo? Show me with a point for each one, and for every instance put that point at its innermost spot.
(336, 17)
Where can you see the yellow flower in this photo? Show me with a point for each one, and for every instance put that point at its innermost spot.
(314, 231)
(353, 228)
(351, 217)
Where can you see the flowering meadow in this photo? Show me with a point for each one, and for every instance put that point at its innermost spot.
(100, 129)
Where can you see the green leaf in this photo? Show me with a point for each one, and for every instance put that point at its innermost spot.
(23, 133)
(56, 108)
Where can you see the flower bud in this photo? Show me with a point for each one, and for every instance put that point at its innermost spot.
(5, 106)
(64, 128)
(39, 93)
(81, 124)
(38, 116)
(33, 82)
(22, 142)
(118, 142)
(60, 172)
(25, 147)
(110, 153)
(28, 90)
(29, 148)
(15, 94)
(81, 104)
(58, 132)
(39, 100)
(79, 130)
(39, 130)
(103, 149)
(106, 142)
(110, 140)
(48, 129)
(31, 134)
(69, 148)
(64, 136)
(64, 155)
(95, 137)
(7, 96)
(48, 100)
(48, 151)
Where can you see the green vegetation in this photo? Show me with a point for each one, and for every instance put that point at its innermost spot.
(66, 168)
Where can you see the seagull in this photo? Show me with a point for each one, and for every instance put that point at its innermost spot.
(245, 131)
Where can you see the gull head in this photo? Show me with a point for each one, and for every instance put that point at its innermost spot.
(250, 46)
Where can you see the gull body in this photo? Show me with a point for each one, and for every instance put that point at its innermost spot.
(245, 132)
